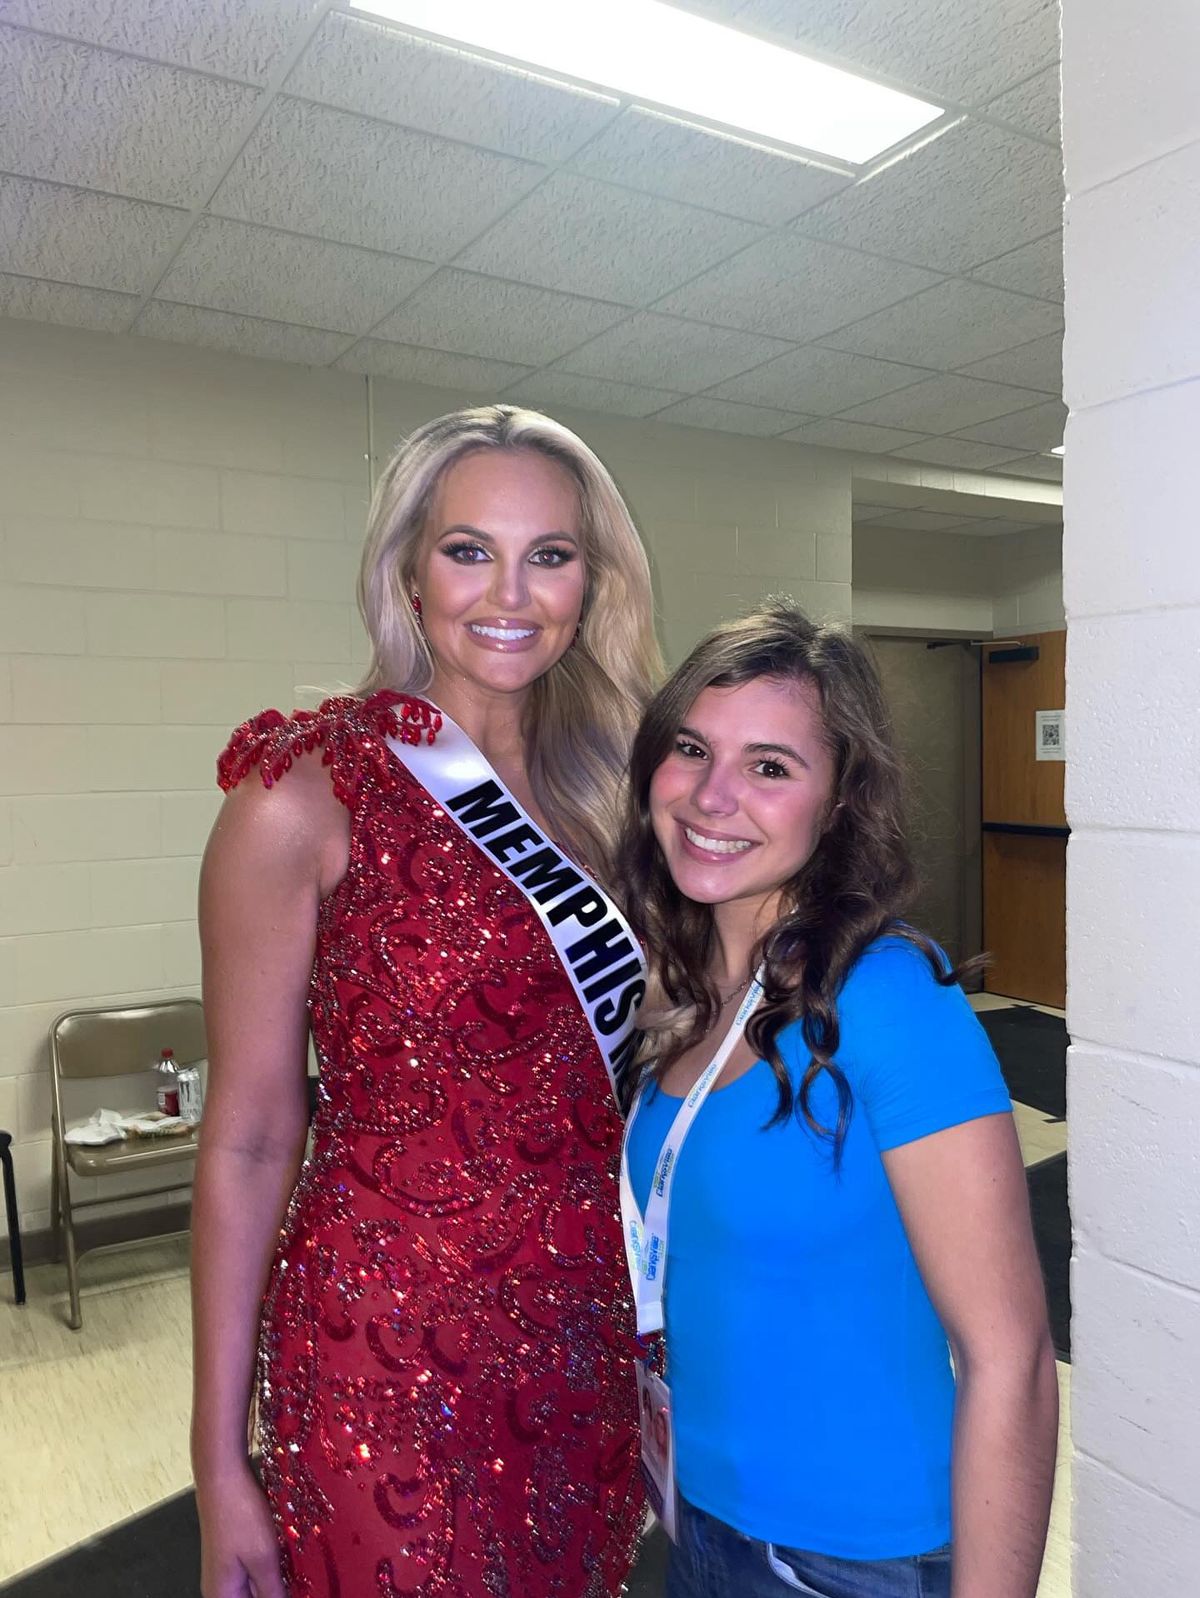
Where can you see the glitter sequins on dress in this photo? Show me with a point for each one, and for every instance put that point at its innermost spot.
(447, 1404)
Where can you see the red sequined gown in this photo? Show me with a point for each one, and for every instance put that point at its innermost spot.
(447, 1402)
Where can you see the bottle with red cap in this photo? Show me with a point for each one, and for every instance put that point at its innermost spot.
(166, 1076)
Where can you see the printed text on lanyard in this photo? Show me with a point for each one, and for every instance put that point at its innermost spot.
(646, 1235)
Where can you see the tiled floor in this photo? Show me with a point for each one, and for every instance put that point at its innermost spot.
(95, 1422)
(1041, 1135)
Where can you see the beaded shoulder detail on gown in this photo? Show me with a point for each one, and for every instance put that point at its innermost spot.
(349, 731)
(447, 1407)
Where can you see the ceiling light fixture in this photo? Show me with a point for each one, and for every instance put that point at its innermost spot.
(653, 54)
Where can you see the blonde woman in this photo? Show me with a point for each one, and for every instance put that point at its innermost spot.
(445, 1397)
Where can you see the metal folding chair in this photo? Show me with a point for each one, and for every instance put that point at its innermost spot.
(88, 1045)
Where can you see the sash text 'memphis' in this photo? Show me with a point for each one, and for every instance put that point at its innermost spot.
(603, 960)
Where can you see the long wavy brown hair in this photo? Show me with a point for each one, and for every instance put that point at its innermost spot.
(853, 888)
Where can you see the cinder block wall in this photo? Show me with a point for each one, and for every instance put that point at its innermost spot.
(952, 582)
(179, 538)
(1132, 581)
(179, 535)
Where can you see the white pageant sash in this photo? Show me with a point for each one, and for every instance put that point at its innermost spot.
(591, 937)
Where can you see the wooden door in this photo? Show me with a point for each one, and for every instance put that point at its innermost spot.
(1024, 822)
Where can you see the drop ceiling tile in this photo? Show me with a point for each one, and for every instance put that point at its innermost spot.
(73, 114)
(439, 368)
(999, 527)
(1040, 428)
(241, 335)
(591, 238)
(944, 404)
(818, 382)
(970, 529)
(851, 435)
(229, 37)
(1046, 468)
(893, 495)
(966, 50)
(31, 300)
(723, 416)
(1033, 106)
(75, 236)
(548, 389)
(863, 512)
(955, 452)
(949, 325)
(795, 287)
(1035, 365)
(662, 156)
(313, 170)
(500, 321)
(918, 521)
(665, 352)
(986, 505)
(359, 65)
(970, 194)
(251, 271)
(1035, 268)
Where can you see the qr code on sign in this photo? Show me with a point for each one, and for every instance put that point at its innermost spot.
(1050, 735)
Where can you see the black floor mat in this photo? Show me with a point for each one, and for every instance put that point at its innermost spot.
(157, 1555)
(1052, 1232)
(1032, 1049)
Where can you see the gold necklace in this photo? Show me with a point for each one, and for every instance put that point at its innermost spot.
(725, 998)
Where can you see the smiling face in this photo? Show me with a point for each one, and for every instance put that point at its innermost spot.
(739, 803)
(501, 574)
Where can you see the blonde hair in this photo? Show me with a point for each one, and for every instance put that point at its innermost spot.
(582, 713)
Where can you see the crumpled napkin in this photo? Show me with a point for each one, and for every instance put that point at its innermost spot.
(110, 1126)
(105, 1126)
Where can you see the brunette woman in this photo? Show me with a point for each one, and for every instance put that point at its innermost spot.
(858, 1365)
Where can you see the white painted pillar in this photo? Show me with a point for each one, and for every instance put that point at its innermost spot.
(1131, 106)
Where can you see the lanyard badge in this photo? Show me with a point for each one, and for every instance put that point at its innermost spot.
(646, 1255)
(646, 1235)
(658, 1446)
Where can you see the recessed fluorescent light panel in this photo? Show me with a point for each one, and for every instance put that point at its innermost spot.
(653, 54)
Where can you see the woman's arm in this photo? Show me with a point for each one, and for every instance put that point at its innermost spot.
(267, 864)
(965, 1207)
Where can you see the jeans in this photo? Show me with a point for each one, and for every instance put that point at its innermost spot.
(712, 1560)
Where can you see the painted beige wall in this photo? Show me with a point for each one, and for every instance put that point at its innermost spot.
(1028, 583)
(180, 535)
(956, 583)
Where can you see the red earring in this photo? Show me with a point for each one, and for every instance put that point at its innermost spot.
(415, 601)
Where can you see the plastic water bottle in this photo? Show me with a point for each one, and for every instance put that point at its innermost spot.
(166, 1075)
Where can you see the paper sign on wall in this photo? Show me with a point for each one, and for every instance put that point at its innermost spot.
(1050, 734)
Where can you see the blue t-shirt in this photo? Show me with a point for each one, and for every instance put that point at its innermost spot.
(810, 1376)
